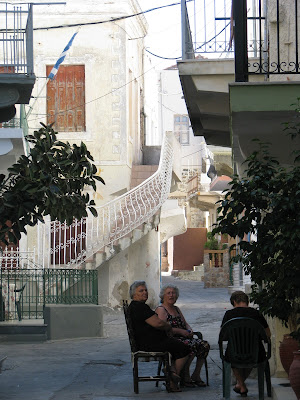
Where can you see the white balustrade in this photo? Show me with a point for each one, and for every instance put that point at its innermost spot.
(65, 246)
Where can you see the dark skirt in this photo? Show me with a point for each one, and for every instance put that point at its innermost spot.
(173, 346)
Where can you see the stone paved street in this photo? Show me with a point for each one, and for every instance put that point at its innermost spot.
(100, 368)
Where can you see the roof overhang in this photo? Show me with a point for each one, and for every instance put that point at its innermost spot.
(205, 88)
(233, 114)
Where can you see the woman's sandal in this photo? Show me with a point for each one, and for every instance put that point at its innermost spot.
(238, 390)
(174, 377)
(199, 383)
(189, 384)
(174, 390)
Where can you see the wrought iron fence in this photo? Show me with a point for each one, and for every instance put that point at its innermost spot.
(211, 23)
(16, 39)
(25, 292)
(264, 35)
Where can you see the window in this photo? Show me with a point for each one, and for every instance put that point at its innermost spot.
(181, 129)
(66, 98)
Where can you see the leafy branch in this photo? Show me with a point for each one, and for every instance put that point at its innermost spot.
(50, 181)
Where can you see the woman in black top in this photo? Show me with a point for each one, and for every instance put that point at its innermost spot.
(240, 302)
(151, 332)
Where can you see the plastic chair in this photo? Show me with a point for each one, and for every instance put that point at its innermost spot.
(244, 336)
(145, 356)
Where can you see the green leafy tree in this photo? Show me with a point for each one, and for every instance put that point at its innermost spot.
(50, 181)
(266, 203)
(212, 242)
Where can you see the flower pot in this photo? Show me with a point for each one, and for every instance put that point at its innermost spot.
(294, 374)
(286, 349)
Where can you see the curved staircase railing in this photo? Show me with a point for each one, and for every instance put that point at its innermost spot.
(63, 245)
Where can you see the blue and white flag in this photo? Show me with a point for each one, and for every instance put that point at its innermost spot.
(61, 58)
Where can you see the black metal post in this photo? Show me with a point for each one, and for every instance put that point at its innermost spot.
(240, 40)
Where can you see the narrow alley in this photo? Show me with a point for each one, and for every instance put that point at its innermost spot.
(100, 368)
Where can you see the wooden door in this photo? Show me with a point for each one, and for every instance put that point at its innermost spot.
(66, 98)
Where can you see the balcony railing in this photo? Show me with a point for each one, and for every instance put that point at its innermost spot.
(262, 36)
(192, 186)
(16, 40)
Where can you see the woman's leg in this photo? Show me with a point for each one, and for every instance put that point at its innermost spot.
(203, 351)
(180, 363)
(186, 369)
(196, 374)
(176, 368)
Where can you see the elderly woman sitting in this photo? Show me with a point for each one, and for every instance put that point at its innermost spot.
(151, 332)
(182, 331)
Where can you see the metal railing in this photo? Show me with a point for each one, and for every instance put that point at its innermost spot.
(13, 257)
(25, 292)
(16, 39)
(12, 123)
(61, 245)
(210, 23)
(262, 36)
(277, 38)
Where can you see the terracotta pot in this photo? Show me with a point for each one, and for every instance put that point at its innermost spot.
(294, 374)
(286, 349)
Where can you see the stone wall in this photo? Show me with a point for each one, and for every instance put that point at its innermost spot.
(216, 273)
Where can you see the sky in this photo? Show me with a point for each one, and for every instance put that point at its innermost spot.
(164, 34)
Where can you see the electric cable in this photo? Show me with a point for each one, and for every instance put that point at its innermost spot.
(124, 85)
(106, 21)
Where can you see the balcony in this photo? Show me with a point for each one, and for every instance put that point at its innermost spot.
(241, 86)
(16, 58)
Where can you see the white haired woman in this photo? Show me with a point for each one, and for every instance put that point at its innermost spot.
(182, 331)
(151, 332)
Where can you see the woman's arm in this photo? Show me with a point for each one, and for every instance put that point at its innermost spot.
(162, 314)
(158, 323)
(188, 327)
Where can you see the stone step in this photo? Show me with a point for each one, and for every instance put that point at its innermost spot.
(23, 332)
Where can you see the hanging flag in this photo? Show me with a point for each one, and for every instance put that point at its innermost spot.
(61, 58)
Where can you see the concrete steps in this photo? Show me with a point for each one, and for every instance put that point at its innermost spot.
(140, 173)
(23, 331)
(121, 244)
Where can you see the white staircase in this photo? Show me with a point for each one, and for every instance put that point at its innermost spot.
(118, 223)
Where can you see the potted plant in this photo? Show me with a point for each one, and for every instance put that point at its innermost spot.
(212, 242)
(294, 372)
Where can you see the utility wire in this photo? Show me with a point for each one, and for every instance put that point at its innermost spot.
(106, 21)
(127, 83)
(197, 48)
(113, 20)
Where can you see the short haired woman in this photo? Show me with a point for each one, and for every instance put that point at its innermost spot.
(182, 331)
(151, 332)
